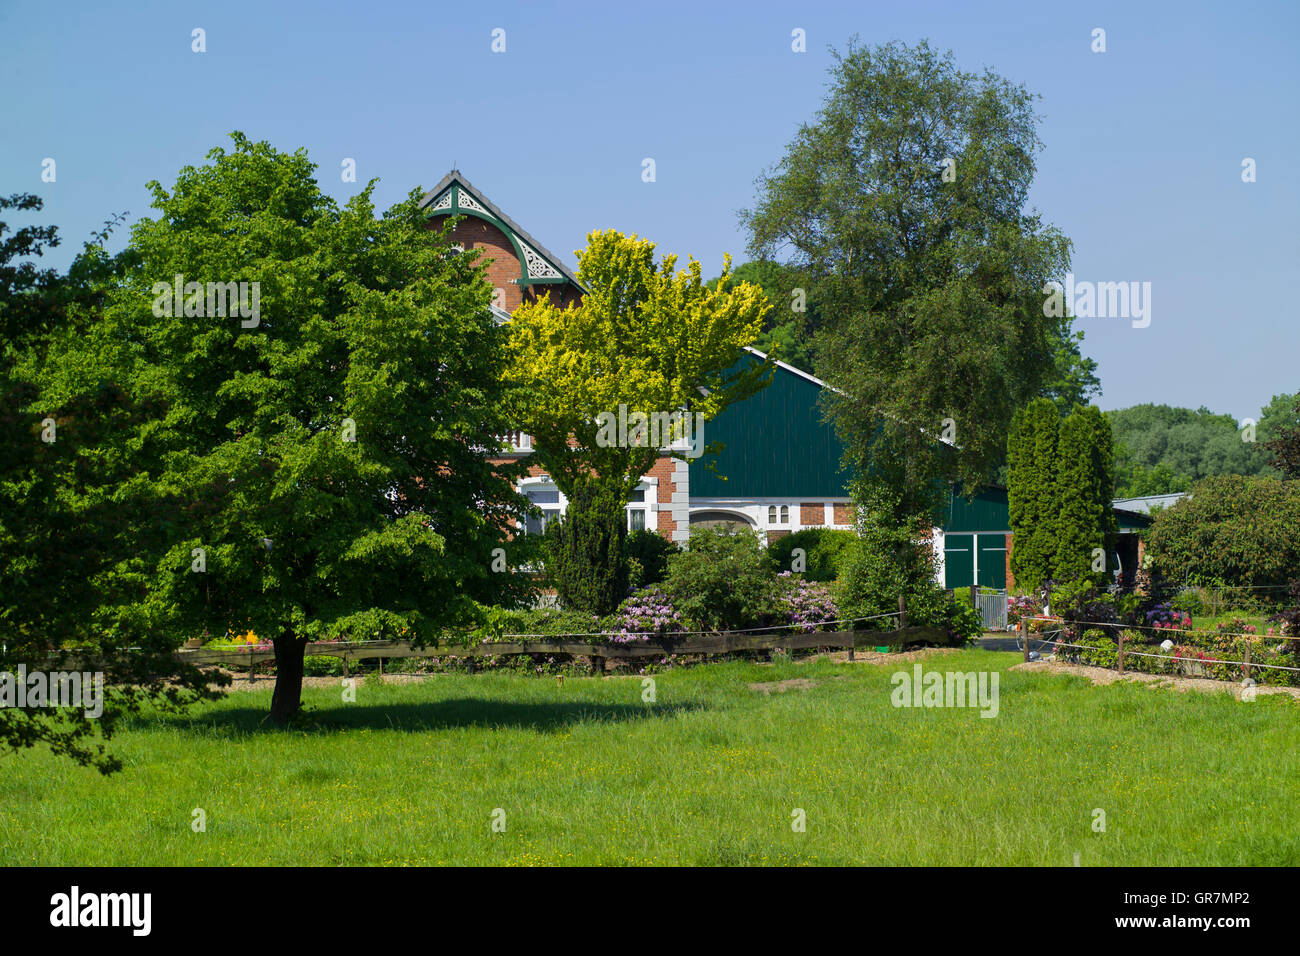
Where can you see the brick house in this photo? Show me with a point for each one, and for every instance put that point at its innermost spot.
(779, 468)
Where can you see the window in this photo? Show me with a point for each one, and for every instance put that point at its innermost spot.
(771, 514)
(636, 510)
(546, 497)
(785, 514)
(778, 514)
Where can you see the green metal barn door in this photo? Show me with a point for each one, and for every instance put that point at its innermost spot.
(993, 561)
(958, 560)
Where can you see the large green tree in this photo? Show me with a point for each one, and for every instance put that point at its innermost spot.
(320, 456)
(75, 529)
(905, 200)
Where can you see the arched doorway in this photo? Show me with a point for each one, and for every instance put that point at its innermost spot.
(732, 520)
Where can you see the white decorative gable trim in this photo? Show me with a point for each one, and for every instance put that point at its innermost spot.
(536, 265)
(465, 201)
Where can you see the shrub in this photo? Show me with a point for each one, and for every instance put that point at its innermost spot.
(1231, 530)
(315, 665)
(585, 558)
(646, 614)
(1097, 650)
(824, 552)
(1022, 606)
(1188, 602)
(1082, 605)
(1163, 617)
(805, 605)
(551, 622)
(647, 558)
(963, 620)
(1288, 619)
(723, 580)
(884, 561)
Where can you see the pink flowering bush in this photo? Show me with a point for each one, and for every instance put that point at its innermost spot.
(647, 613)
(805, 605)
(1022, 606)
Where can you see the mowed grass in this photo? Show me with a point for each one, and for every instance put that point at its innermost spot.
(708, 774)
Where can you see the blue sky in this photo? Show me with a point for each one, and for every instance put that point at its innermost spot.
(1142, 166)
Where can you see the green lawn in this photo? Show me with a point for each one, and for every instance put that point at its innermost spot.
(1210, 623)
(710, 774)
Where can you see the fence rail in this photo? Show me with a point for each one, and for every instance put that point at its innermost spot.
(1178, 663)
(711, 644)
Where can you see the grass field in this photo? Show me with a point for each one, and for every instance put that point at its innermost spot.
(710, 774)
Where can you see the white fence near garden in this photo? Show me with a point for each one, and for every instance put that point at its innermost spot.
(1198, 664)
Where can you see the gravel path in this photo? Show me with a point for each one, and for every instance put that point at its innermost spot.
(1104, 675)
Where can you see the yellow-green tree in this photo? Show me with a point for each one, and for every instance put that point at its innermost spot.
(639, 366)
(645, 341)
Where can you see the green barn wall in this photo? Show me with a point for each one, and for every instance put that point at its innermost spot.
(776, 446)
(985, 511)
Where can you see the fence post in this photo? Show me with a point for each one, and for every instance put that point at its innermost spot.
(1024, 636)
(1245, 675)
(902, 612)
(252, 668)
(1121, 652)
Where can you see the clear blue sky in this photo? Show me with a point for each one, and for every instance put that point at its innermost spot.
(1142, 166)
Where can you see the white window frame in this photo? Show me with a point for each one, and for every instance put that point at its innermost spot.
(649, 488)
(549, 511)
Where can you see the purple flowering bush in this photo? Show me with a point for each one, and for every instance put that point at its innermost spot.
(805, 605)
(648, 613)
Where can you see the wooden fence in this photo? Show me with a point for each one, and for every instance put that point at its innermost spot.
(598, 654)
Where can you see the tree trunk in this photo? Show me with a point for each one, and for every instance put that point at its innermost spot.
(287, 699)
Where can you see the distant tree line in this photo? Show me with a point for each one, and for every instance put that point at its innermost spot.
(1161, 449)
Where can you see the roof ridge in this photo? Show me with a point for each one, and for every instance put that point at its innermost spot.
(456, 177)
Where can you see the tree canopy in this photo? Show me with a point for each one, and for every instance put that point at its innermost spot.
(1236, 530)
(1162, 448)
(905, 201)
(647, 357)
(75, 530)
(646, 337)
(318, 459)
